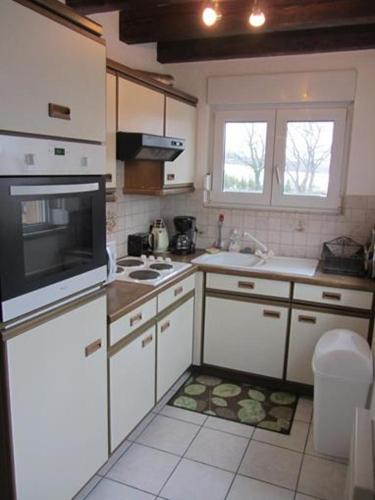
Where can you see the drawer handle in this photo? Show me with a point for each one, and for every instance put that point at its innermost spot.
(246, 284)
(331, 296)
(58, 111)
(171, 177)
(271, 314)
(135, 319)
(307, 319)
(165, 327)
(147, 341)
(93, 347)
(178, 291)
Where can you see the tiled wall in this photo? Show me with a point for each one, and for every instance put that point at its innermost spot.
(130, 213)
(286, 233)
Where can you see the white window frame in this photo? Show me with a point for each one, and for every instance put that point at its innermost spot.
(277, 119)
(223, 117)
(333, 199)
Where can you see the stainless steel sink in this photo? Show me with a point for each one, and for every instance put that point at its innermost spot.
(247, 262)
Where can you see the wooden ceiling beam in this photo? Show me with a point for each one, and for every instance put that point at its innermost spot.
(180, 20)
(268, 44)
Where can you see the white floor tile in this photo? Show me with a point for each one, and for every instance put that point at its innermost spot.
(194, 481)
(110, 490)
(218, 448)
(245, 488)
(304, 410)
(274, 465)
(168, 434)
(144, 468)
(310, 450)
(89, 487)
(141, 427)
(180, 414)
(296, 440)
(221, 424)
(322, 478)
(113, 458)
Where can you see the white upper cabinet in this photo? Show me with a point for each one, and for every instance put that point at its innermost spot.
(180, 121)
(140, 109)
(111, 123)
(45, 63)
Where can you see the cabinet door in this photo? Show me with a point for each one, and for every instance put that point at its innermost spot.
(306, 329)
(132, 385)
(180, 121)
(175, 346)
(58, 403)
(245, 336)
(111, 123)
(45, 62)
(140, 109)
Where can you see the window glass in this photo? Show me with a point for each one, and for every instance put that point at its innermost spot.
(244, 159)
(308, 158)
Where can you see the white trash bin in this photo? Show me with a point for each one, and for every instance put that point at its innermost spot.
(343, 373)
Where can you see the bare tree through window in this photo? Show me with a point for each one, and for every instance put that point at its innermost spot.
(245, 150)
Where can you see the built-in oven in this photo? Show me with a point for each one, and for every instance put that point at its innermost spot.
(52, 235)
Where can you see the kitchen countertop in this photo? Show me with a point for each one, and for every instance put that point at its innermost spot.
(122, 297)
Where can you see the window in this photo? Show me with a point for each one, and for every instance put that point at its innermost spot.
(279, 157)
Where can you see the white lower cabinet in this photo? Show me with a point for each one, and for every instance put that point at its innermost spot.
(58, 403)
(175, 346)
(245, 336)
(132, 384)
(306, 329)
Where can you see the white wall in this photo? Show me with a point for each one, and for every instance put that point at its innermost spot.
(192, 77)
(135, 56)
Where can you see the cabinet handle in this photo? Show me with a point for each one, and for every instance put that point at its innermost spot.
(147, 341)
(170, 177)
(271, 314)
(135, 319)
(164, 327)
(58, 111)
(178, 291)
(246, 284)
(331, 296)
(307, 319)
(93, 347)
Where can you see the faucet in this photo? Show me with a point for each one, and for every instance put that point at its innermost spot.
(263, 251)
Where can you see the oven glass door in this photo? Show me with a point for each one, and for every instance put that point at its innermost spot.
(51, 229)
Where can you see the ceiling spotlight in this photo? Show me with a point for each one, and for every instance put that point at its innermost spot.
(210, 14)
(257, 17)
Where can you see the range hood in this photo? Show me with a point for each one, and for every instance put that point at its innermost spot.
(138, 146)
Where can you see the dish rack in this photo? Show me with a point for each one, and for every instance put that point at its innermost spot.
(343, 256)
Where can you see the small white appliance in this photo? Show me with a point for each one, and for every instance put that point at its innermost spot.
(149, 270)
(159, 236)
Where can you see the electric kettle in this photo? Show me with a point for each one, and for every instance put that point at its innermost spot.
(159, 240)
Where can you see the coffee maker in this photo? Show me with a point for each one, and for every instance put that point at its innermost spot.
(183, 242)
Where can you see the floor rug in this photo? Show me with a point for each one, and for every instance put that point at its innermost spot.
(243, 403)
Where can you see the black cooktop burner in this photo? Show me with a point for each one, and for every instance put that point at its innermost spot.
(144, 274)
(160, 266)
(130, 262)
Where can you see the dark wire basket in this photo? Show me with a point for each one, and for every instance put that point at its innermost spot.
(343, 256)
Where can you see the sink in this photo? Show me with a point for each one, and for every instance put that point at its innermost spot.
(280, 265)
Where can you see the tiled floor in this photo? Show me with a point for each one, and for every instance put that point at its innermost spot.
(180, 455)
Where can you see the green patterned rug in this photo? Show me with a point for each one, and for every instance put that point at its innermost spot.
(244, 403)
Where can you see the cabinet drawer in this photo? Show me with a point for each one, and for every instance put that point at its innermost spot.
(251, 286)
(131, 321)
(305, 330)
(175, 292)
(333, 296)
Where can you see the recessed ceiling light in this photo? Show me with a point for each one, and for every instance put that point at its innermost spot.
(210, 14)
(257, 17)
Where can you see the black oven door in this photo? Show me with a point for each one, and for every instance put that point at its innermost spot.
(51, 229)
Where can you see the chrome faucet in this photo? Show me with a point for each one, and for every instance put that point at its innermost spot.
(263, 252)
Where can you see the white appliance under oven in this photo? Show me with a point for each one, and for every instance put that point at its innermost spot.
(149, 270)
(52, 222)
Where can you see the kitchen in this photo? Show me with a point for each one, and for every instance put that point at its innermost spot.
(104, 388)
